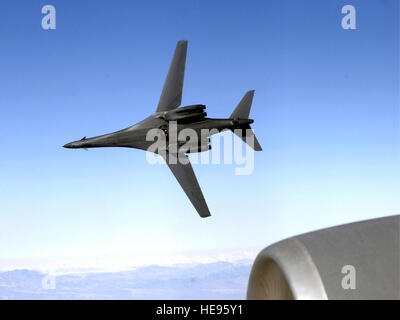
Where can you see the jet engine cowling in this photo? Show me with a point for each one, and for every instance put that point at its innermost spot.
(185, 113)
(359, 260)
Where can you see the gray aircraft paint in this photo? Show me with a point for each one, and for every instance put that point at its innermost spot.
(190, 117)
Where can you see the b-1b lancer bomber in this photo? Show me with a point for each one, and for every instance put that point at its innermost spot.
(189, 117)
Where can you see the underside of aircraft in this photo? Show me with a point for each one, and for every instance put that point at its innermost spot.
(188, 117)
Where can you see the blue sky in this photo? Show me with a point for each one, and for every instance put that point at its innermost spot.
(326, 112)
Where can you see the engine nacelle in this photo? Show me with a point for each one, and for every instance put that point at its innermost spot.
(185, 113)
(323, 264)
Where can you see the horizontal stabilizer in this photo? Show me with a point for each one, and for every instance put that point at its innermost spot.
(249, 137)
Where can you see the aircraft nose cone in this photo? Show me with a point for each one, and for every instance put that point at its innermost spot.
(68, 145)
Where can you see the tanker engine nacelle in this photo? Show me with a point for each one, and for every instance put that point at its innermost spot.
(185, 113)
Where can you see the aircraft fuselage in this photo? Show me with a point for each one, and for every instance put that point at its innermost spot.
(135, 136)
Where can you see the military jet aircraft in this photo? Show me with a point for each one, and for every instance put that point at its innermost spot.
(193, 117)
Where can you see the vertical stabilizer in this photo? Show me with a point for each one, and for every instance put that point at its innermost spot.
(242, 112)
